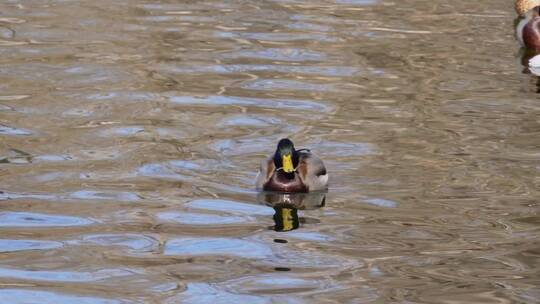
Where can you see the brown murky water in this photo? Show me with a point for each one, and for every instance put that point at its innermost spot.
(131, 132)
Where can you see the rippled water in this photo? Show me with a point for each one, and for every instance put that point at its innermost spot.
(131, 133)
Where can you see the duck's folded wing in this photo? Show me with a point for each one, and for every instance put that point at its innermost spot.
(313, 172)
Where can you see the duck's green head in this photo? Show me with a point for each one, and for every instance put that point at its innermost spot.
(286, 157)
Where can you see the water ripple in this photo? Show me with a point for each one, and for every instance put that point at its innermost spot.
(130, 136)
(200, 218)
(279, 37)
(255, 102)
(204, 293)
(205, 246)
(7, 130)
(99, 195)
(7, 245)
(180, 169)
(230, 207)
(329, 71)
(134, 242)
(251, 121)
(29, 219)
(62, 276)
(26, 296)
(275, 284)
(284, 84)
(381, 202)
(280, 54)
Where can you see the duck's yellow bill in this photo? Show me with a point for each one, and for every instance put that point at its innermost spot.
(287, 163)
(288, 219)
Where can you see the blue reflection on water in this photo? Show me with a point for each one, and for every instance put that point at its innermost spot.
(230, 207)
(202, 293)
(204, 246)
(252, 121)
(357, 2)
(22, 296)
(280, 54)
(62, 276)
(190, 218)
(256, 102)
(28, 219)
(135, 242)
(331, 71)
(97, 195)
(7, 130)
(7, 245)
(287, 84)
(381, 202)
(278, 36)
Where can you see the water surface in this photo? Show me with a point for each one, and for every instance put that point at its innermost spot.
(130, 136)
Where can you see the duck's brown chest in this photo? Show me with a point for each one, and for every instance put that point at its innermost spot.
(531, 34)
(283, 183)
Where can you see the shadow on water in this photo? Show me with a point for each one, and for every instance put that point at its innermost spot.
(286, 206)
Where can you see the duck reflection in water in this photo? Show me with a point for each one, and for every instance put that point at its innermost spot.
(286, 206)
(286, 218)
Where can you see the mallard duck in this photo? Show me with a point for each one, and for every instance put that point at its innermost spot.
(291, 170)
(528, 27)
